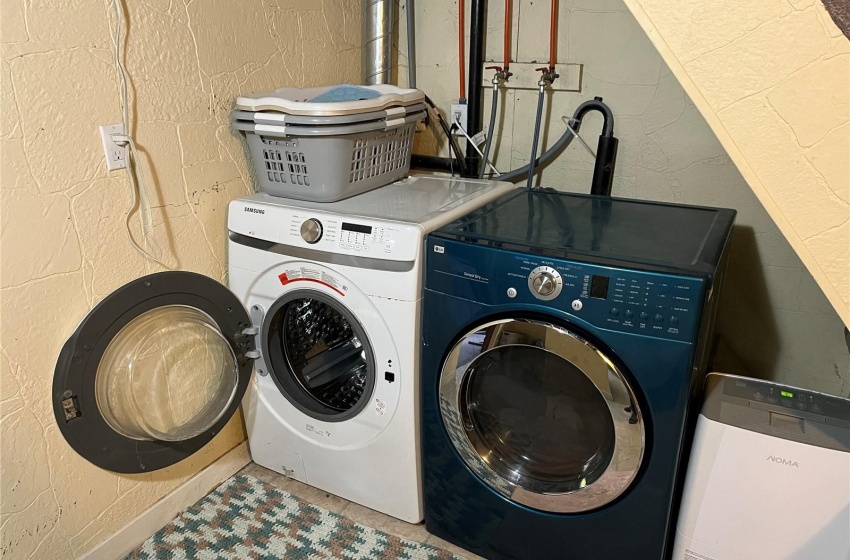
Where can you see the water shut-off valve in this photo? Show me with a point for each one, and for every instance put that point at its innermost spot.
(502, 75)
(547, 76)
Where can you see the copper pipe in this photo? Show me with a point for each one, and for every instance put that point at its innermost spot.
(553, 35)
(461, 28)
(508, 14)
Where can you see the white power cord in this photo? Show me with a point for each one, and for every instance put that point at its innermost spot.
(137, 187)
(577, 135)
(473, 144)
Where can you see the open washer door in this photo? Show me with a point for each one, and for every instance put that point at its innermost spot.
(153, 372)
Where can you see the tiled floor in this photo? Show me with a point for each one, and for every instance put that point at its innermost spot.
(355, 512)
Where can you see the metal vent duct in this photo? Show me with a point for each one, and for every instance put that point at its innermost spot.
(377, 41)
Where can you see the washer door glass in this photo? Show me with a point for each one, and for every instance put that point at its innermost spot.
(153, 372)
(541, 415)
(319, 355)
(168, 375)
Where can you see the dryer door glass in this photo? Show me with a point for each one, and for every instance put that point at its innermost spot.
(539, 420)
(541, 415)
(319, 355)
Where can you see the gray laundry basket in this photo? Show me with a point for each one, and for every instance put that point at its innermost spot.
(327, 168)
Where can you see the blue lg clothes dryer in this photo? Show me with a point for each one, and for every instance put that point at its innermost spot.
(565, 342)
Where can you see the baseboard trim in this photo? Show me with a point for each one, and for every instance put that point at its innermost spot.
(134, 533)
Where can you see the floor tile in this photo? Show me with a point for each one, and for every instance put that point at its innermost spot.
(386, 523)
(308, 493)
(434, 540)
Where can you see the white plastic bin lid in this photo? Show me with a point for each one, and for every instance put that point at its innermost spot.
(298, 130)
(342, 99)
(280, 119)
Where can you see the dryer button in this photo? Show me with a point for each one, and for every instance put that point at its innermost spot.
(511, 292)
(577, 305)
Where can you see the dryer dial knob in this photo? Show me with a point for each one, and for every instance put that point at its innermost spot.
(545, 283)
(311, 230)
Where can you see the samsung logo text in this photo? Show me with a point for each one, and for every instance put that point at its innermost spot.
(255, 210)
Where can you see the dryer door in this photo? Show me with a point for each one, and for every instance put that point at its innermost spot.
(153, 372)
(541, 415)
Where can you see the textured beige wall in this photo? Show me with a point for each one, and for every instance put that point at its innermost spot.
(775, 322)
(772, 78)
(63, 243)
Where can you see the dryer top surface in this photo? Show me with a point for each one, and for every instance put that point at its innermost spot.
(683, 238)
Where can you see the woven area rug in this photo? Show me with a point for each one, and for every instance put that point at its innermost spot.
(247, 518)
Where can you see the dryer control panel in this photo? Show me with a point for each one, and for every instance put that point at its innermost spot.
(622, 299)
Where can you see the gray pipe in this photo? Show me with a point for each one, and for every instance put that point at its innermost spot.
(376, 41)
(409, 10)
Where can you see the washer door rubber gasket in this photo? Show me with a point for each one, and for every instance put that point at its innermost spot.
(74, 399)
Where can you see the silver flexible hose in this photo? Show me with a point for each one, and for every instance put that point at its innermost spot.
(534, 140)
(490, 132)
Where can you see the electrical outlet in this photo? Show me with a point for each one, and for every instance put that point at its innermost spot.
(458, 113)
(116, 155)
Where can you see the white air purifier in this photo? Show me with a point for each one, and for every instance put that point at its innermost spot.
(769, 475)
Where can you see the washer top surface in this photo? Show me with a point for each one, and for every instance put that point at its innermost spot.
(565, 225)
(386, 224)
(419, 200)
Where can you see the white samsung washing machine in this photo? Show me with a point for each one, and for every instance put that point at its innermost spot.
(769, 475)
(319, 331)
(335, 289)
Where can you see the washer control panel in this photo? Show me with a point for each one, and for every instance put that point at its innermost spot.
(330, 232)
(352, 236)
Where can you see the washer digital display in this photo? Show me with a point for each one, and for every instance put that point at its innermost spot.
(357, 228)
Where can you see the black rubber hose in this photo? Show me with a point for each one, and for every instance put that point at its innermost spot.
(603, 168)
(596, 104)
(534, 139)
(453, 147)
(567, 137)
(431, 162)
(490, 133)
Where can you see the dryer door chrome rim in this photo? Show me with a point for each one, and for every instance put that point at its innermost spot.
(153, 372)
(541, 415)
(319, 355)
